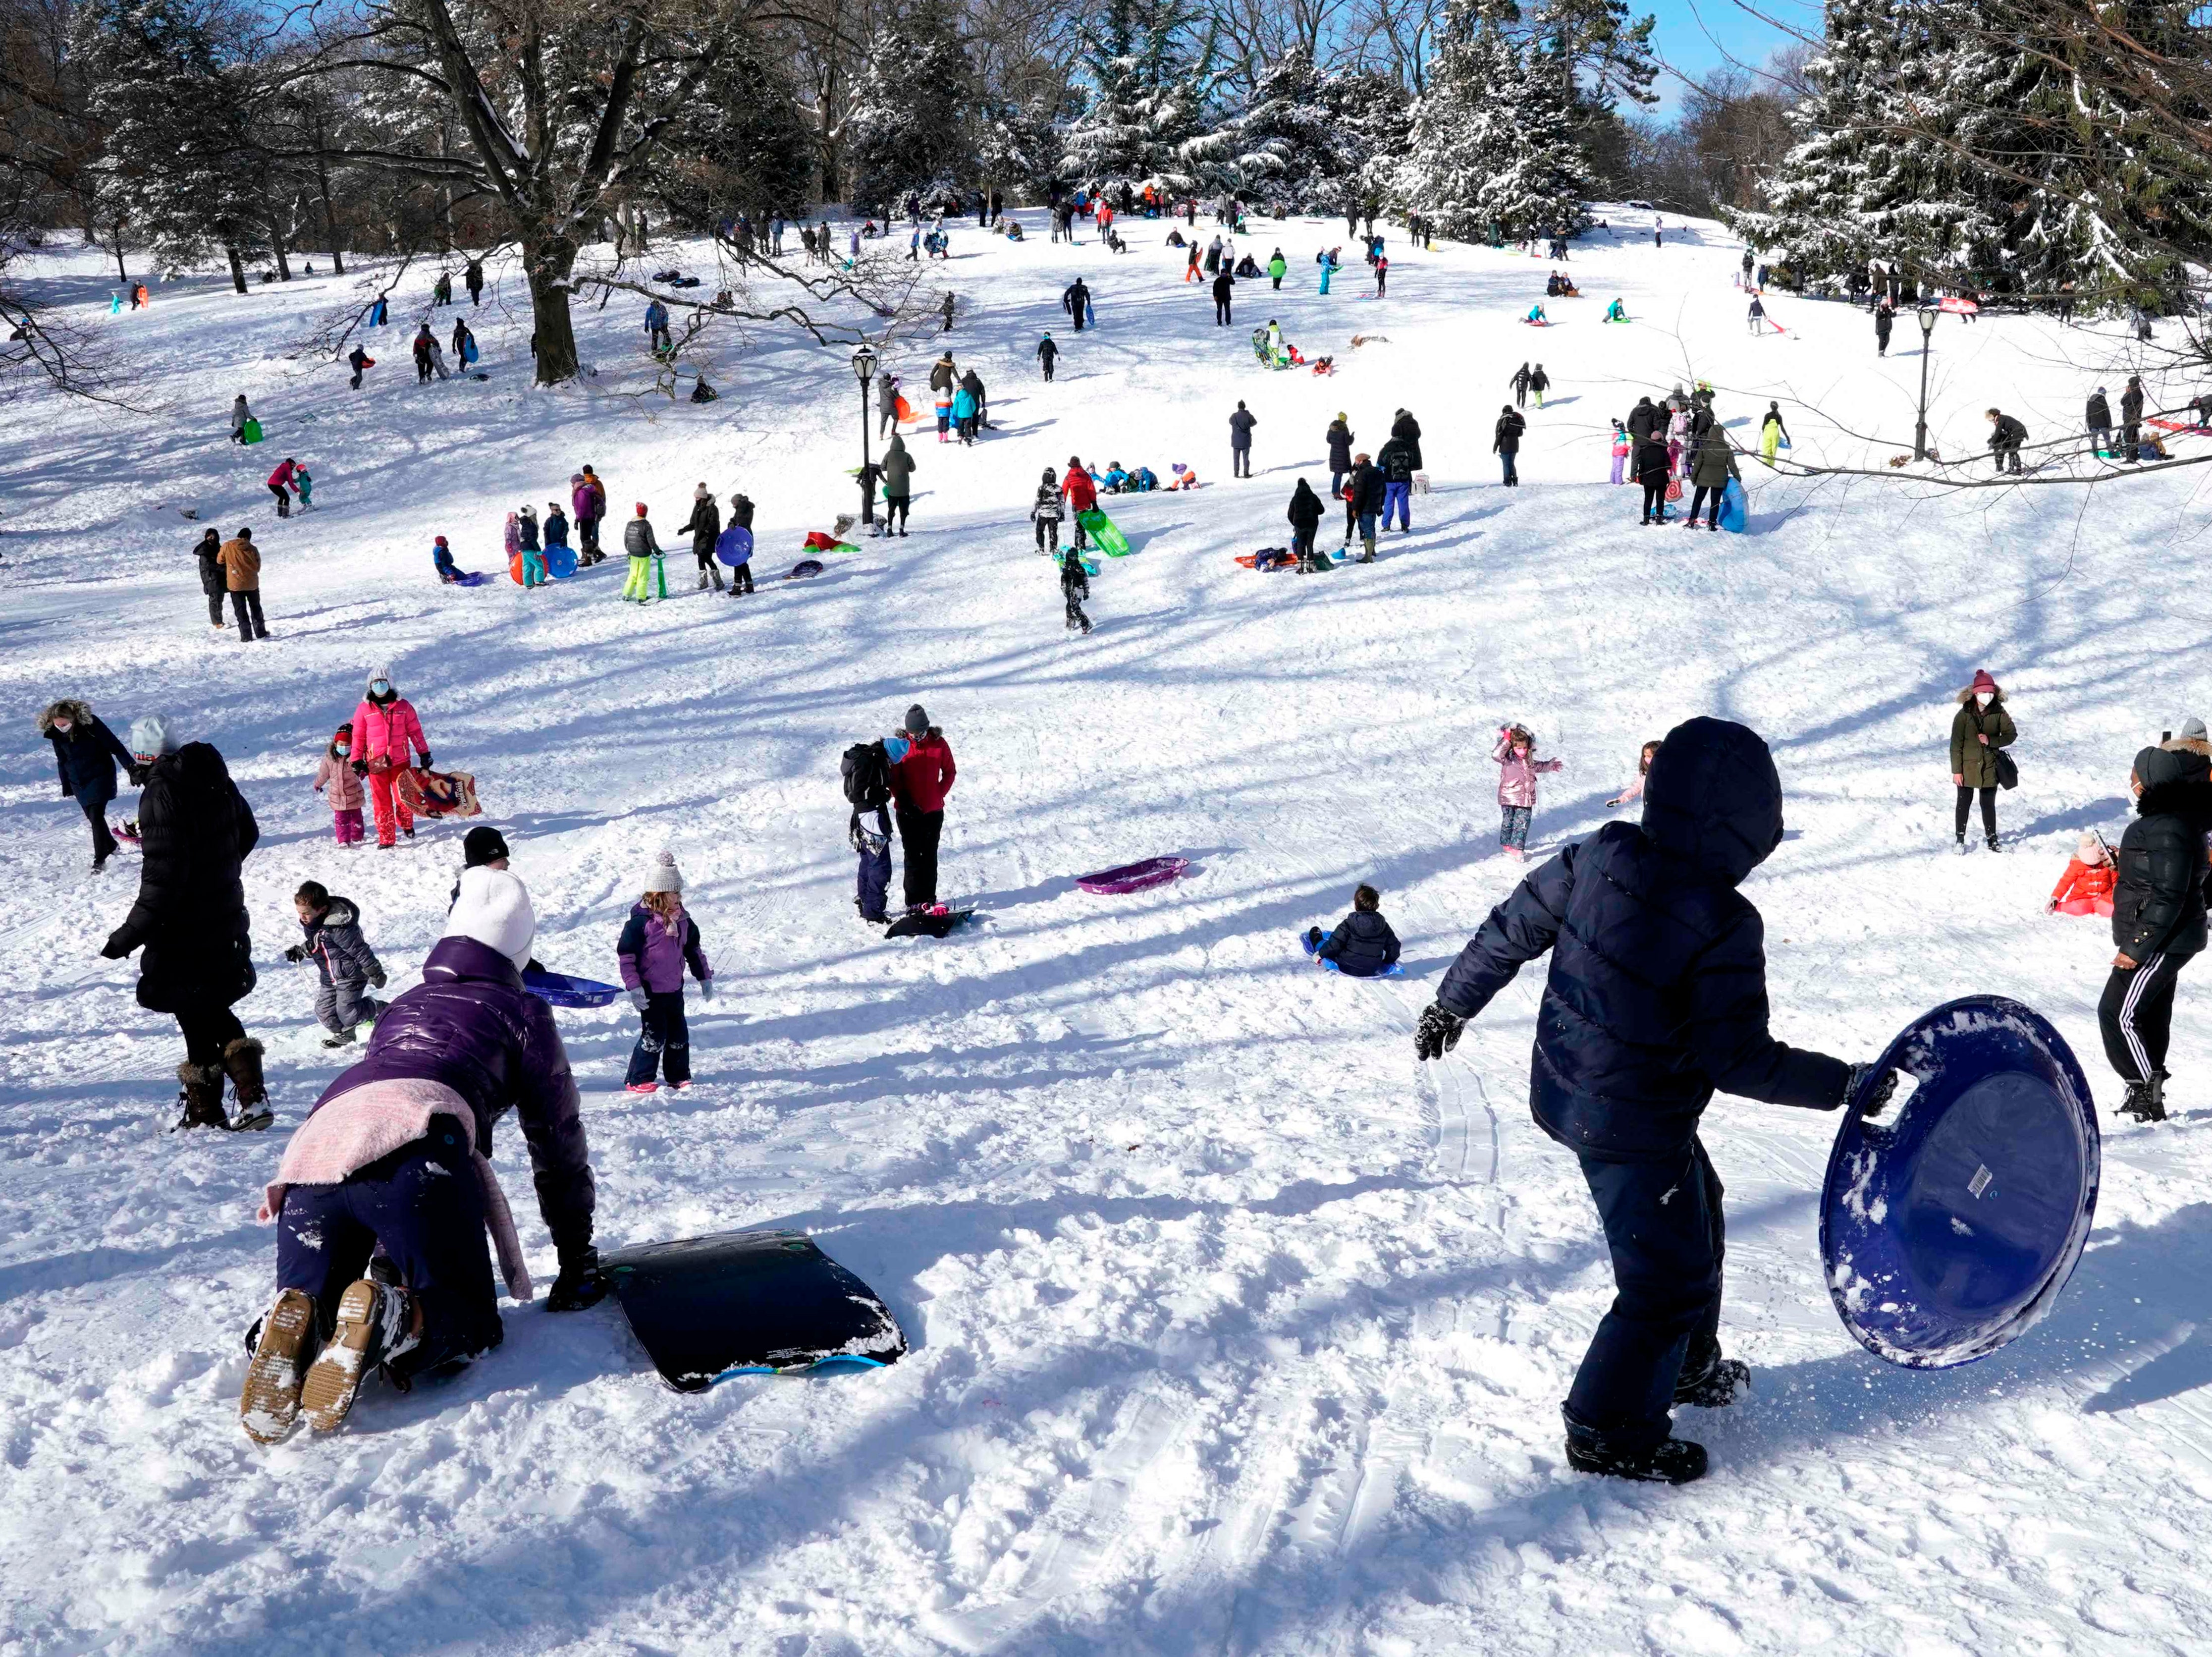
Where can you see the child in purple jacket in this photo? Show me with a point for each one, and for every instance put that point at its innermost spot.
(659, 942)
(1518, 767)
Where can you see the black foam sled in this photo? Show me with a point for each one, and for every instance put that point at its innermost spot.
(927, 925)
(749, 1302)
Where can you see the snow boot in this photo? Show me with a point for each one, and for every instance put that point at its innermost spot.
(1960, 850)
(283, 1344)
(202, 1097)
(376, 1324)
(1367, 550)
(2146, 1101)
(702, 581)
(1675, 1461)
(1720, 1386)
(242, 1060)
(1993, 845)
(715, 571)
(343, 1039)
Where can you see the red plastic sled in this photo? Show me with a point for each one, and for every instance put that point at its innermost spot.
(1134, 877)
(437, 793)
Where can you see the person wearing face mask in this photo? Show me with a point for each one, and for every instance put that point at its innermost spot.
(86, 754)
(2158, 919)
(384, 730)
(1979, 729)
(335, 774)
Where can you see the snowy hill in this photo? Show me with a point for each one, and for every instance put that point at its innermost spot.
(1234, 1331)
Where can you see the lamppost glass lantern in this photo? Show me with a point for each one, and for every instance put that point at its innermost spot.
(864, 360)
(1927, 320)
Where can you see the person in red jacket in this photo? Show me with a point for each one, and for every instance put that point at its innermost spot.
(385, 728)
(279, 482)
(2086, 887)
(920, 783)
(1082, 492)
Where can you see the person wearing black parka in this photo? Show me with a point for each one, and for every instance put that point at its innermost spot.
(86, 754)
(2158, 919)
(1655, 1000)
(213, 582)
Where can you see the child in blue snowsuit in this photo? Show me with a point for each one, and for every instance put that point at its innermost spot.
(441, 558)
(1655, 1000)
(658, 943)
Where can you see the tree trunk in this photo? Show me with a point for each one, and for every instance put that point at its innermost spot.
(121, 275)
(553, 336)
(276, 243)
(237, 266)
(330, 219)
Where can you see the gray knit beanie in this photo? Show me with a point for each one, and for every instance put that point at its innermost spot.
(917, 721)
(664, 876)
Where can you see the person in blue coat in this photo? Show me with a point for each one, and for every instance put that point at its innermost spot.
(86, 754)
(1656, 999)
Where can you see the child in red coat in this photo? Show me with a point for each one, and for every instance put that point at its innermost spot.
(2086, 887)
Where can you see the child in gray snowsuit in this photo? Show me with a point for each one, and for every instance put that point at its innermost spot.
(343, 958)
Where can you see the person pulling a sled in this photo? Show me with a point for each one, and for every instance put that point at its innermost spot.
(392, 1162)
(1656, 998)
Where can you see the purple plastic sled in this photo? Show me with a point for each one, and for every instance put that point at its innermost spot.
(1134, 876)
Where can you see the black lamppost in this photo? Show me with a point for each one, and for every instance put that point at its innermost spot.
(1927, 343)
(864, 370)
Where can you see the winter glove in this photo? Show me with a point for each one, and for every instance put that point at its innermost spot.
(579, 1285)
(360, 767)
(297, 952)
(115, 949)
(1877, 1100)
(638, 999)
(376, 981)
(706, 989)
(1438, 1033)
(426, 761)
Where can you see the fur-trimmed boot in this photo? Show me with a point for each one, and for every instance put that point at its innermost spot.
(202, 1097)
(241, 1061)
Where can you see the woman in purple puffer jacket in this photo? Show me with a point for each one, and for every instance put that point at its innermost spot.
(658, 941)
(1518, 770)
(394, 1155)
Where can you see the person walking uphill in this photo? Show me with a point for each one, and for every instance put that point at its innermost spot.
(385, 732)
(86, 754)
(658, 942)
(1240, 440)
(393, 1161)
(704, 527)
(195, 829)
(1655, 999)
(1980, 731)
(2158, 919)
(1076, 301)
(919, 782)
(242, 571)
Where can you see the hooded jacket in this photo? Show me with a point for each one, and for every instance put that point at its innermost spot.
(335, 778)
(1407, 430)
(209, 550)
(472, 1025)
(335, 944)
(241, 565)
(195, 828)
(1644, 418)
(1305, 508)
(1712, 463)
(652, 955)
(1976, 765)
(2099, 413)
(2158, 892)
(387, 732)
(703, 526)
(1339, 446)
(1362, 945)
(87, 757)
(638, 540)
(1657, 996)
(898, 469)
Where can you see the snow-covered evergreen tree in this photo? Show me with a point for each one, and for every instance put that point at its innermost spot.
(1493, 150)
(1374, 119)
(1152, 84)
(909, 124)
(1287, 119)
(1018, 148)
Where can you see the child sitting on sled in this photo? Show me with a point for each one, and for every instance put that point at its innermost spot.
(1536, 317)
(441, 559)
(1362, 945)
(2086, 887)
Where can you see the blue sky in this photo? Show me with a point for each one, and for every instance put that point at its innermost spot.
(1697, 36)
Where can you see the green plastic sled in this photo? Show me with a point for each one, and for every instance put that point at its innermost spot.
(1100, 528)
(252, 430)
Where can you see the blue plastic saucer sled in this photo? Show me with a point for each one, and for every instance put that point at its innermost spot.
(563, 991)
(1949, 1224)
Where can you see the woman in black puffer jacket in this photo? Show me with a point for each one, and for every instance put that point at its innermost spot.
(2158, 919)
(86, 754)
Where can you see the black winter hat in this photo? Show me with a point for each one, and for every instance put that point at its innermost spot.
(481, 845)
(2154, 765)
(917, 721)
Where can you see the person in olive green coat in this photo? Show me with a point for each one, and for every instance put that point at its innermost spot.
(898, 484)
(1982, 725)
(1710, 468)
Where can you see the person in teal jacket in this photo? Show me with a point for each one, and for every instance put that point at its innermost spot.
(964, 413)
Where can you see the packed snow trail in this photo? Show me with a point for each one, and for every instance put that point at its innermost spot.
(1233, 1331)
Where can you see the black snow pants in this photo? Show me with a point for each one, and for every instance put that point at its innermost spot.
(919, 832)
(1654, 501)
(1664, 1229)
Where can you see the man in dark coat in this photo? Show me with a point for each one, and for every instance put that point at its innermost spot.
(459, 1051)
(2131, 413)
(1407, 430)
(1885, 318)
(2007, 434)
(1505, 441)
(1076, 301)
(1645, 419)
(1305, 520)
(1224, 285)
(2099, 419)
(2158, 919)
(1363, 494)
(195, 829)
(86, 754)
(1240, 440)
(1656, 998)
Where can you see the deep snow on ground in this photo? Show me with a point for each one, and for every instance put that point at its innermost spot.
(1233, 1331)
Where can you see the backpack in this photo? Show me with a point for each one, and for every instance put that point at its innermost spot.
(867, 774)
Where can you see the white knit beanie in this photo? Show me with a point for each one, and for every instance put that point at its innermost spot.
(664, 876)
(494, 909)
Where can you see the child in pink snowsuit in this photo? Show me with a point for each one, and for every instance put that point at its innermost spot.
(1518, 767)
(335, 774)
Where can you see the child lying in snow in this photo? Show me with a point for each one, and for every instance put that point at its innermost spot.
(2086, 887)
(1362, 945)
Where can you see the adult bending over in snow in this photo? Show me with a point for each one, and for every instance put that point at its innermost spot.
(1627, 1057)
(395, 1153)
